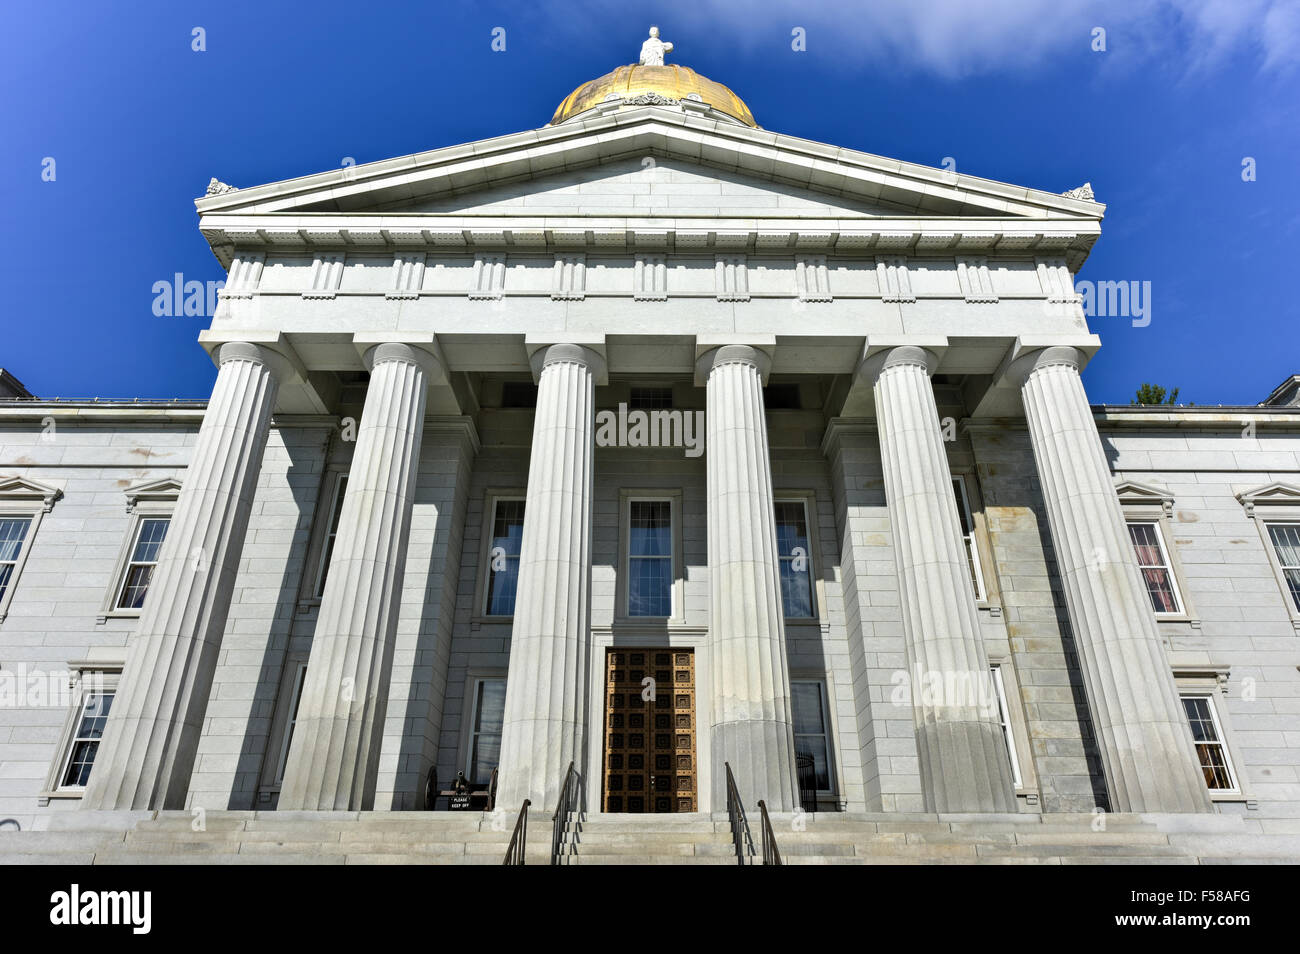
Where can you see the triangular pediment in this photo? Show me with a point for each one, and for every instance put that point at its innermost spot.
(1134, 493)
(1277, 493)
(450, 178)
(28, 491)
(649, 186)
(164, 489)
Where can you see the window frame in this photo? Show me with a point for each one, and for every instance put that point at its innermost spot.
(809, 501)
(288, 696)
(1004, 718)
(313, 566)
(153, 500)
(1220, 740)
(1275, 559)
(1180, 612)
(491, 498)
(30, 500)
(110, 675)
(622, 606)
(471, 734)
(973, 545)
(1147, 503)
(1007, 684)
(1211, 681)
(329, 534)
(822, 681)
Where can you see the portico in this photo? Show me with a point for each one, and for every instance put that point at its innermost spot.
(497, 586)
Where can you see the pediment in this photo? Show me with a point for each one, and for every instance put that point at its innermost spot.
(649, 187)
(536, 163)
(27, 491)
(1277, 493)
(1134, 493)
(162, 489)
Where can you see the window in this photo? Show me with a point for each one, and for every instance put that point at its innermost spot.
(1004, 717)
(650, 558)
(149, 536)
(650, 399)
(812, 735)
(1148, 545)
(331, 533)
(795, 554)
(13, 533)
(485, 730)
(1207, 735)
(299, 677)
(22, 504)
(503, 557)
(968, 537)
(89, 730)
(1285, 538)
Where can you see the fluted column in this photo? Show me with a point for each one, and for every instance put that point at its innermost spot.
(334, 757)
(752, 724)
(546, 688)
(147, 753)
(963, 755)
(1146, 747)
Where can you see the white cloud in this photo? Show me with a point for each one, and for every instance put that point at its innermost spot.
(952, 38)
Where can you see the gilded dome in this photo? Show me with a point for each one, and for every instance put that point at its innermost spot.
(655, 83)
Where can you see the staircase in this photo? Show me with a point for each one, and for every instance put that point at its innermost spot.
(237, 837)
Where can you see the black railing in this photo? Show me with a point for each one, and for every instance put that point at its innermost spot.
(431, 790)
(806, 771)
(771, 853)
(570, 802)
(519, 840)
(740, 836)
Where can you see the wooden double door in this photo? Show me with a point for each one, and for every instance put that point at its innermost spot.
(650, 763)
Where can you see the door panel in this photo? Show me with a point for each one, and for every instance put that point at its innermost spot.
(650, 761)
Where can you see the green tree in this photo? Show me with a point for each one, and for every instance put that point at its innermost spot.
(1154, 394)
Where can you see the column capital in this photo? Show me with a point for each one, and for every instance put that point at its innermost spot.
(733, 354)
(875, 364)
(569, 353)
(401, 351)
(282, 367)
(1054, 356)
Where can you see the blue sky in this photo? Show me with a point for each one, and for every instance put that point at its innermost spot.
(1160, 123)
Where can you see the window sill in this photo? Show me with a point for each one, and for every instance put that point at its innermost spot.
(117, 614)
(65, 794)
(492, 620)
(1219, 797)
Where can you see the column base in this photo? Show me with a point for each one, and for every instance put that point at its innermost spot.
(963, 768)
(761, 756)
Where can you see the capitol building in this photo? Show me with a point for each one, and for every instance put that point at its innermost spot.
(649, 463)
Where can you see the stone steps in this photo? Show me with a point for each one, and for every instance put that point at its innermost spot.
(233, 837)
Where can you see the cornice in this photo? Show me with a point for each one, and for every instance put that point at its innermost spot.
(434, 232)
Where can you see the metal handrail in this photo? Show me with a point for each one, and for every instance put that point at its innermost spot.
(771, 853)
(570, 801)
(740, 835)
(431, 790)
(519, 840)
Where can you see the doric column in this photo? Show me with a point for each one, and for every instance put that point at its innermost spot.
(147, 753)
(963, 756)
(334, 757)
(1145, 744)
(546, 688)
(752, 723)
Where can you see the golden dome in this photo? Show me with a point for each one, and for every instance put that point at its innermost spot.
(670, 82)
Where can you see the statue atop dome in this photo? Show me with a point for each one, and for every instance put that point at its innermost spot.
(654, 49)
